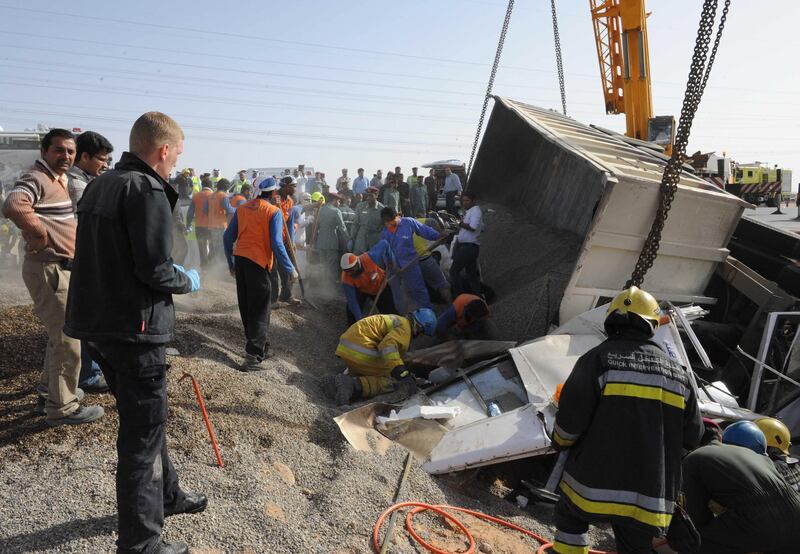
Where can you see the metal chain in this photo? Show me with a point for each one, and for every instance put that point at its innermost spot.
(698, 77)
(558, 58)
(491, 82)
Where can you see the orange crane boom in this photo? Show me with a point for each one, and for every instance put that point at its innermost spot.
(620, 30)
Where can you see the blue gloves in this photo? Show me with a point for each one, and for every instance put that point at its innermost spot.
(191, 274)
(350, 245)
(194, 278)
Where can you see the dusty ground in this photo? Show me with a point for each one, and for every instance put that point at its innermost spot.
(290, 484)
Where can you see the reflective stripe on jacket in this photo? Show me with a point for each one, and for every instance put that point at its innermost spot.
(626, 412)
(378, 341)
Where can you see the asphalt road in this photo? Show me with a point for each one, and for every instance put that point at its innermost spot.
(788, 221)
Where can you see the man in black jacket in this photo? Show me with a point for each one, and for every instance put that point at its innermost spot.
(625, 413)
(120, 303)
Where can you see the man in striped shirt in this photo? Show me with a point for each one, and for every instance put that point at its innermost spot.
(40, 205)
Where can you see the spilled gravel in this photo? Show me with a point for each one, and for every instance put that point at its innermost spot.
(290, 484)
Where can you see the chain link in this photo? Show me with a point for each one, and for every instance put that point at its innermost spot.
(698, 77)
(491, 83)
(558, 58)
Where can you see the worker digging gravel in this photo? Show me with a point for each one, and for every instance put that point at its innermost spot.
(399, 232)
(625, 413)
(364, 278)
(253, 243)
(373, 349)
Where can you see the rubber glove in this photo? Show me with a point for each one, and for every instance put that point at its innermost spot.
(179, 268)
(350, 245)
(194, 278)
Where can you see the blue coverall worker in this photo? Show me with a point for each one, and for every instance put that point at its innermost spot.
(399, 233)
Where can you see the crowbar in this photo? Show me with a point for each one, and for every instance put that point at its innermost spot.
(220, 463)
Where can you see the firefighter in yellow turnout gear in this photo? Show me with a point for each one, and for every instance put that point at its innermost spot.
(373, 349)
(625, 412)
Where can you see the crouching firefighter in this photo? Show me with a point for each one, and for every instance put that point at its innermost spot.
(625, 413)
(373, 349)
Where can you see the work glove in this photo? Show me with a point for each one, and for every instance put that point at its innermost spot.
(407, 386)
(232, 271)
(294, 276)
(194, 279)
(350, 245)
(179, 268)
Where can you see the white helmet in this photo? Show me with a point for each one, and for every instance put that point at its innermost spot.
(348, 261)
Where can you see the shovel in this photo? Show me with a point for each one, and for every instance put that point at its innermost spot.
(293, 256)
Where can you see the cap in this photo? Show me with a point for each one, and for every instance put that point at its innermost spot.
(372, 190)
(305, 197)
(288, 180)
(334, 195)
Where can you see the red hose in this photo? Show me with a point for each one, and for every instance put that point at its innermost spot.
(440, 509)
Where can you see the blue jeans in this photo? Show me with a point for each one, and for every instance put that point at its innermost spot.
(90, 371)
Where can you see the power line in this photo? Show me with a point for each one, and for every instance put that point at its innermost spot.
(62, 85)
(238, 130)
(134, 114)
(239, 140)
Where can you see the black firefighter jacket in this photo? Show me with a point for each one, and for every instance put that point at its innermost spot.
(122, 276)
(625, 413)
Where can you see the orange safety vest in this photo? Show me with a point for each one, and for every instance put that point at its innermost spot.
(370, 280)
(200, 201)
(254, 241)
(286, 207)
(461, 301)
(216, 212)
(236, 201)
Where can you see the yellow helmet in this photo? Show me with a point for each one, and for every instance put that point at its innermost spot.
(776, 432)
(636, 301)
(317, 196)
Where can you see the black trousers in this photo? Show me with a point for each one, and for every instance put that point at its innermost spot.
(465, 257)
(450, 202)
(385, 304)
(254, 292)
(572, 530)
(146, 479)
(204, 244)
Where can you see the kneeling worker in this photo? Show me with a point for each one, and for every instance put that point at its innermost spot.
(466, 318)
(257, 231)
(363, 277)
(779, 439)
(737, 499)
(373, 349)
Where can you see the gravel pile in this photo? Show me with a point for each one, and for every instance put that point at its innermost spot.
(290, 484)
(529, 266)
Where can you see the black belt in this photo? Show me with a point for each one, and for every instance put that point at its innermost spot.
(66, 264)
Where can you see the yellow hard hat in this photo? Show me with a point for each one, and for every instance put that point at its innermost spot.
(636, 301)
(776, 432)
(317, 196)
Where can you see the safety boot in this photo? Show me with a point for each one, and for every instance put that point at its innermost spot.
(340, 388)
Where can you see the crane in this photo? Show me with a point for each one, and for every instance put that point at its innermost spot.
(620, 30)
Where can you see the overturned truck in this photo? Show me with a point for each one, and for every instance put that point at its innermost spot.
(567, 210)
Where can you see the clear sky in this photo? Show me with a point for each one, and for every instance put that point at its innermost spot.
(373, 83)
